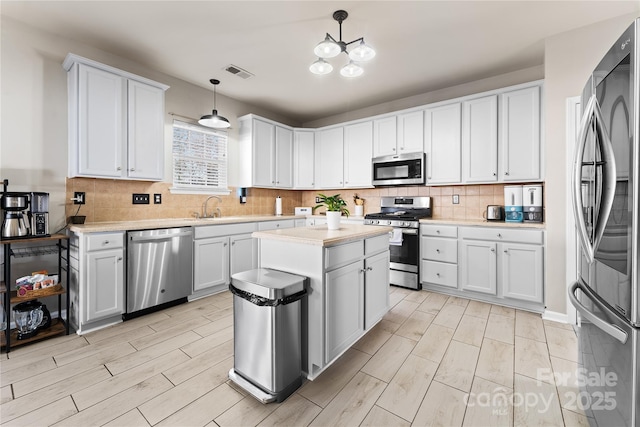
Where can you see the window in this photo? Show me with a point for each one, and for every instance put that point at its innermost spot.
(199, 159)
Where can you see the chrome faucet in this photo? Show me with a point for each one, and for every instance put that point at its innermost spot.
(205, 214)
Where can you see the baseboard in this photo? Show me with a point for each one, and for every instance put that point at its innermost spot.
(555, 316)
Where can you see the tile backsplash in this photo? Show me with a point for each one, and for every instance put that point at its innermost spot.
(111, 200)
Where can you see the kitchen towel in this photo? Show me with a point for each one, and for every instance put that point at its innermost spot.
(278, 206)
(396, 237)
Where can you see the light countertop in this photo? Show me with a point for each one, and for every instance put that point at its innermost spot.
(320, 235)
(96, 227)
(482, 223)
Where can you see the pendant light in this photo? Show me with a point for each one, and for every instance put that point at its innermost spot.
(213, 120)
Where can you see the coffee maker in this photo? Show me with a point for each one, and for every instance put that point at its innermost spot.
(39, 214)
(532, 203)
(15, 217)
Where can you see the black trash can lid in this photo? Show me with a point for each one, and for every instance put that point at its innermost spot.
(268, 283)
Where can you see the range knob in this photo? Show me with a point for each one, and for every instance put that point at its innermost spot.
(389, 222)
(406, 224)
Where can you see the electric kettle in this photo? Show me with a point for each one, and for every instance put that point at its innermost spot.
(30, 317)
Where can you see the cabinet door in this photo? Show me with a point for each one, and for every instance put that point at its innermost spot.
(263, 153)
(443, 144)
(329, 158)
(211, 263)
(480, 139)
(411, 132)
(344, 319)
(358, 149)
(105, 284)
(145, 131)
(303, 159)
(284, 157)
(376, 288)
(101, 123)
(243, 253)
(478, 266)
(520, 134)
(522, 271)
(385, 136)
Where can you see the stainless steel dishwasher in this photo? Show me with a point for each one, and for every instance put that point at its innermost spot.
(159, 268)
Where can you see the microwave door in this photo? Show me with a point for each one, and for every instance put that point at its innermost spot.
(594, 179)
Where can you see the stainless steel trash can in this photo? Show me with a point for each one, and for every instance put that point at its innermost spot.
(267, 332)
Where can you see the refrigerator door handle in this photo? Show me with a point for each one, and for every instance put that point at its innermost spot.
(592, 117)
(614, 330)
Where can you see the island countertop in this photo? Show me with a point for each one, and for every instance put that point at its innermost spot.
(320, 235)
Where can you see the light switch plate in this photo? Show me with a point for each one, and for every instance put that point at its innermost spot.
(455, 199)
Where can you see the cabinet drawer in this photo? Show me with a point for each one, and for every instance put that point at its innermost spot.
(439, 230)
(503, 235)
(439, 273)
(436, 249)
(274, 225)
(339, 255)
(100, 241)
(206, 231)
(376, 244)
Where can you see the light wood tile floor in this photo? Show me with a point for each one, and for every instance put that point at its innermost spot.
(433, 360)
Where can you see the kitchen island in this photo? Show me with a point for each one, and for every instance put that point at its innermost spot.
(348, 288)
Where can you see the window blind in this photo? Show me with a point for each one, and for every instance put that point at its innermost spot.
(199, 158)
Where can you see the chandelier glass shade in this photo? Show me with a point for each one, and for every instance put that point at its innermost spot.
(214, 120)
(330, 48)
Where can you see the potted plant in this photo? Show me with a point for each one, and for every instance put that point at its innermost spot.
(336, 206)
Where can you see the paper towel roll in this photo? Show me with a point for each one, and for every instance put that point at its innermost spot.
(278, 206)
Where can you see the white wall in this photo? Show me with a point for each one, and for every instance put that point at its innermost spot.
(569, 59)
(33, 110)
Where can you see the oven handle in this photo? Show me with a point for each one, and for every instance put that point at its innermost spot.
(411, 231)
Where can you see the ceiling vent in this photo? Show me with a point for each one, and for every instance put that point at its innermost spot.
(237, 71)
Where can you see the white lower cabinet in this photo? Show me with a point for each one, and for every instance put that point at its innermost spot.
(211, 263)
(357, 294)
(478, 271)
(219, 251)
(498, 265)
(345, 308)
(97, 282)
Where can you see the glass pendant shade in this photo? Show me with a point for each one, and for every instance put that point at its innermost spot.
(327, 48)
(321, 67)
(362, 52)
(215, 121)
(351, 70)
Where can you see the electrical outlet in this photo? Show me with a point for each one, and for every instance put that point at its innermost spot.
(78, 198)
(140, 199)
(317, 199)
(157, 198)
(456, 199)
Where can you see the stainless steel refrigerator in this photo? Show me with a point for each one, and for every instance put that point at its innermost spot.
(606, 204)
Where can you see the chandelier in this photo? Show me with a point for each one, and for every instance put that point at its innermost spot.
(329, 48)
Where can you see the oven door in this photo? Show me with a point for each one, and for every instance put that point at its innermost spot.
(405, 258)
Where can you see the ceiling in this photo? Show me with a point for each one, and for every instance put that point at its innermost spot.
(421, 45)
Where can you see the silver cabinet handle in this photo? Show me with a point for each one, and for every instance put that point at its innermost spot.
(438, 274)
(493, 250)
(499, 235)
(494, 174)
(224, 244)
(119, 258)
(437, 231)
(506, 252)
(132, 169)
(506, 173)
(106, 242)
(438, 250)
(119, 168)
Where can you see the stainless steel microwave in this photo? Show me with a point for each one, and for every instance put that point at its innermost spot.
(401, 169)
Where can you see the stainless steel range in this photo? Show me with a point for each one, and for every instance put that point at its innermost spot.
(403, 214)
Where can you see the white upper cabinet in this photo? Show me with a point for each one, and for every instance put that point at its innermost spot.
(385, 136)
(520, 135)
(358, 147)
(329, 158)
(284, 158)
(480, 139)
(266, 153)
(116, 122)
(443, 144)
(398, 134)
(411, 132)
(303, 159)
